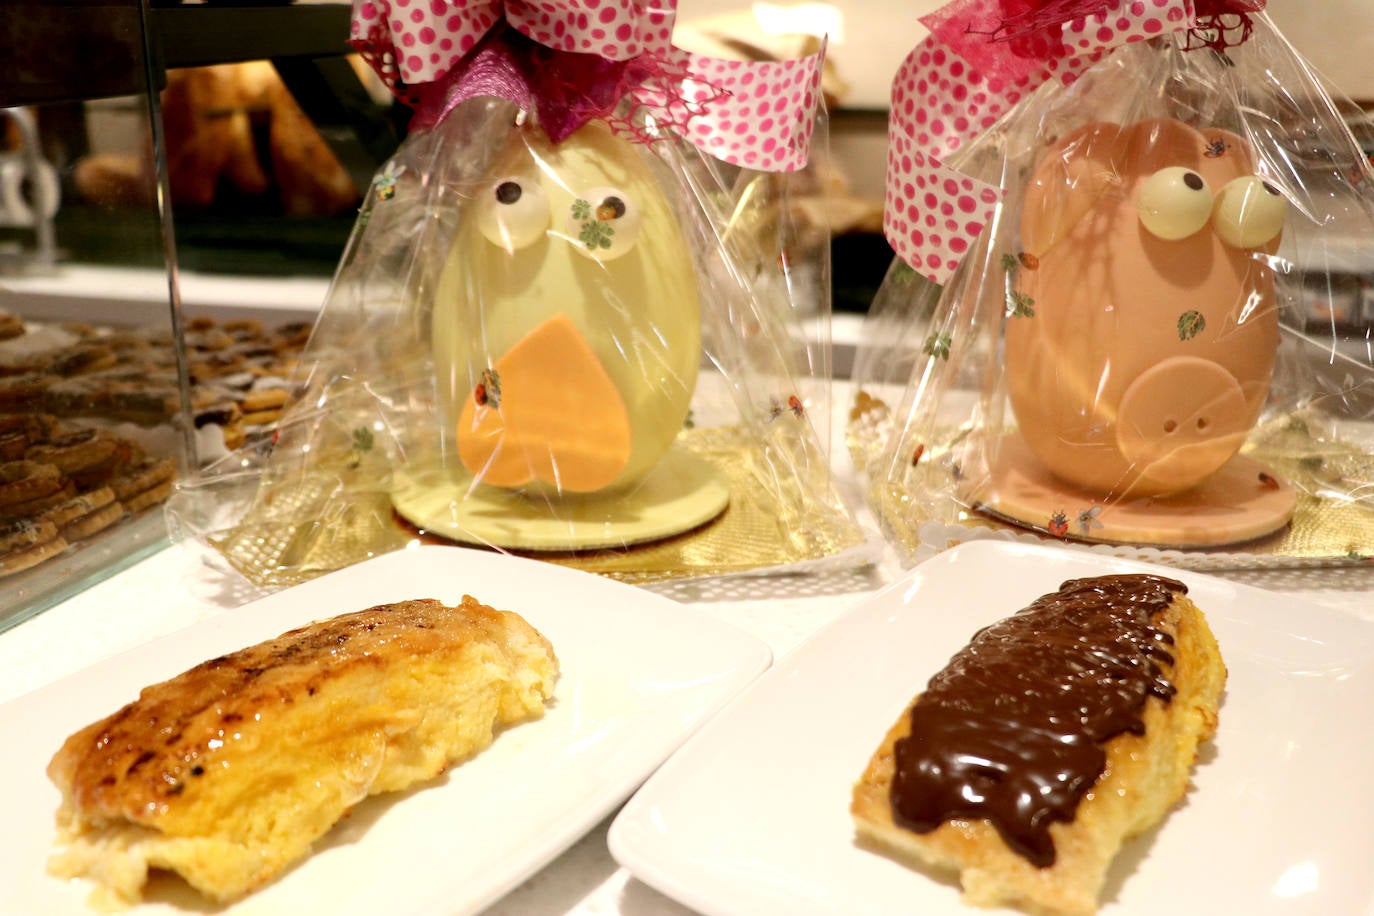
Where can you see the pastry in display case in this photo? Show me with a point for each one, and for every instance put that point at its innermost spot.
(237, 142)
(93, 419)
(97, 422)
(114, 387)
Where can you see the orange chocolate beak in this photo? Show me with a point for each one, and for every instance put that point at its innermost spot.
(559, 418)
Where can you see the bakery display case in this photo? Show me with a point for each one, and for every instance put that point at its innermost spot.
(94, 421)
(143, 149)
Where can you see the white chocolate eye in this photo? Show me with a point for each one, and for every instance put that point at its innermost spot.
(603, 223)
(513, 213)
(1174, 203)
(1249, 212)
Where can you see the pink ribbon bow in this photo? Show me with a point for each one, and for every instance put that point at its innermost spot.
(590, 55)
(968, 73)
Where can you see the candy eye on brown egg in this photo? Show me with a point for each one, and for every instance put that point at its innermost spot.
(1174, 203)
(513, 213)
(1249, 212)
(603, 223)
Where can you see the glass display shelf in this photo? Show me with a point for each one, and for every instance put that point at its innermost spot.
(95, 413)
(34, 590)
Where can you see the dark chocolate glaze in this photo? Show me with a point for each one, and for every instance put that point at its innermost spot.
(1012, 730)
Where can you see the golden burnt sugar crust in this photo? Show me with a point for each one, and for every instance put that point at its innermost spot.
(229, 772)
(1052, 737)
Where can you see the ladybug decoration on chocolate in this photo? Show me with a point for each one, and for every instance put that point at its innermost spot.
(386, 181)
(488, 390)
(794, 404)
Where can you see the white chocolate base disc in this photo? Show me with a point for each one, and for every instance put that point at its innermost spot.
(1243, 500)
(680, 493)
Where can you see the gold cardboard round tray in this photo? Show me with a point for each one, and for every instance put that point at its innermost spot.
(682, 492)
(1241, 501)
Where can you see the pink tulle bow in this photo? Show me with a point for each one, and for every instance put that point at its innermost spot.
(981, 58)
(574, 60)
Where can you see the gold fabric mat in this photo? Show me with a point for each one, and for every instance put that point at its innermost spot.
(340, 514)
(1333, 521)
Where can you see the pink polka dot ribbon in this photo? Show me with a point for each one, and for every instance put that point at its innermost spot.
(756, 115)
(763, 118)
(957, 83)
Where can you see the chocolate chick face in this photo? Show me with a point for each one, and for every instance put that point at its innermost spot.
(1146, 352)
(577, 298)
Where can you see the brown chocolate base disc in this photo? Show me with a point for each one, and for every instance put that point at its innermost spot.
(1242, 501)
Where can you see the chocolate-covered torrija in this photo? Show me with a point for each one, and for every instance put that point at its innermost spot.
(1012, 729)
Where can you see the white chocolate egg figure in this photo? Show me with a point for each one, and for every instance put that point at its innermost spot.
(1142, 354)
(567, 321)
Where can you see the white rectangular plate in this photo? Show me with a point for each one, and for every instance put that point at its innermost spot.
(639, 674)
(752, 815)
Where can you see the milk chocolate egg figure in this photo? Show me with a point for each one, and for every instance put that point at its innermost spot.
(567, 322)
(1144, 355)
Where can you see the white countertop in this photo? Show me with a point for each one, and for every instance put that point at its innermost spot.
(183, 585)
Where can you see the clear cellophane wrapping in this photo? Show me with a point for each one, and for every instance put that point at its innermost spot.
(934, 412)
(713, 346)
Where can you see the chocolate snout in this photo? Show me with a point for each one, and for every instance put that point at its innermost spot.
(1180, 421)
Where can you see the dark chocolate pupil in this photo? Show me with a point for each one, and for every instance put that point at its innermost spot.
(616, 205)
(508, 192)
(1193, 180)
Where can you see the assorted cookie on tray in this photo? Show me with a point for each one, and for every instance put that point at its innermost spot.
(239, 373)
(66, 483)
(89, 415)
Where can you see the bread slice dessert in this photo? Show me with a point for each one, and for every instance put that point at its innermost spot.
(1052, 737)
(229, 772)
